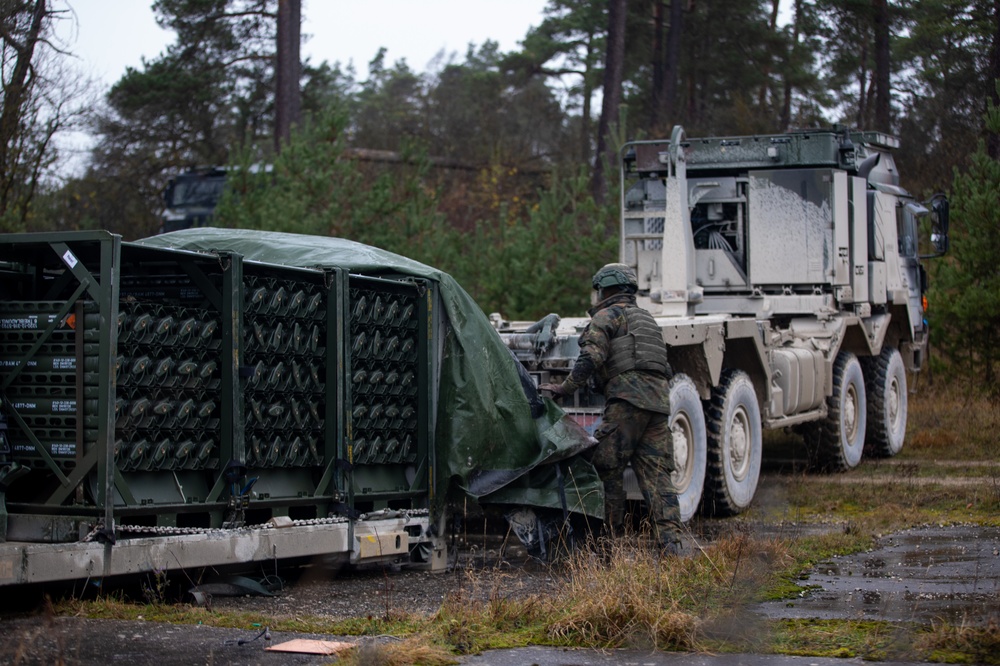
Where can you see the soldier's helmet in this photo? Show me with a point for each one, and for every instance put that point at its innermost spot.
(616, 275)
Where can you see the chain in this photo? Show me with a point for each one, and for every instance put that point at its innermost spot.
(97, 528)
(160, 530)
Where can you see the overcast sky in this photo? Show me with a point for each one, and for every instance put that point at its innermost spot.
(109, 35)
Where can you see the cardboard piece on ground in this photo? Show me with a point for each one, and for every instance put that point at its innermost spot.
(309, 646)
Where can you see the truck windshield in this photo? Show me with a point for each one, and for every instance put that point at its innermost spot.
(196, 191)
(907, 228)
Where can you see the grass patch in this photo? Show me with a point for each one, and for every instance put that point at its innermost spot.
(113, 608)
(839, 638)
(884, 641)
(948, 472)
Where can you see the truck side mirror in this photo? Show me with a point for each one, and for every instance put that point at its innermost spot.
(939, 223)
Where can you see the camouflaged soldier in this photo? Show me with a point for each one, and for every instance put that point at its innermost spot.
(622, 350)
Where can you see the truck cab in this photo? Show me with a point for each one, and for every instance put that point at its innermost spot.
(190, 198)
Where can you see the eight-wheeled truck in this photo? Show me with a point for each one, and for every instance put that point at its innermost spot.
(785, 275)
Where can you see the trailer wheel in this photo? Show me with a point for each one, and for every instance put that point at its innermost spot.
(734, 445)
(687, 425)
(839, 440)
(885, 384)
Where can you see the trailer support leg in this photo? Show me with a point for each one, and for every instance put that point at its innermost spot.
(8, 473)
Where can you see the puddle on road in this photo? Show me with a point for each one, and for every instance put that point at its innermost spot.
(942, 573)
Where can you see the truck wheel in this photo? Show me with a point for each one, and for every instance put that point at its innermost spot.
(687, 424)
(734, 445)
(839, 440)
(885, 384)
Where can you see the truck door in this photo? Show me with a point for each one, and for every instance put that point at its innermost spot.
(907, 215)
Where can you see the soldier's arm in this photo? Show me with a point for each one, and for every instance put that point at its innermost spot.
(594, 345)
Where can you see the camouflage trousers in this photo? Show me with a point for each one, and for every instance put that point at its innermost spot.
(626, 435)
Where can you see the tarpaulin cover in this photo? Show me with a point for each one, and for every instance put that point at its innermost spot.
(485, 438)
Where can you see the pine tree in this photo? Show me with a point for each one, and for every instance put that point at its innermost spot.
(966, 293)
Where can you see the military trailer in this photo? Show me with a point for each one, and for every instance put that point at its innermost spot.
(167, 409)
(784, 273)
(226, 399)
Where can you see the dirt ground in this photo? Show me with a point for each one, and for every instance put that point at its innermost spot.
(36, 638)
(933, 573)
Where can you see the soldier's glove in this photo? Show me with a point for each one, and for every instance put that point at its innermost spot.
(554, 389)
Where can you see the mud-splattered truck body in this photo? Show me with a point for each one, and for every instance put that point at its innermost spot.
(785, 276)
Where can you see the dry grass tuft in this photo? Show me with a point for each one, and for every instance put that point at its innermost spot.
(413, 650)
(946, 642)
(623, 593)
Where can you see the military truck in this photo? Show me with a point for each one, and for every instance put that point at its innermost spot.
(785, 275)
(190, 198)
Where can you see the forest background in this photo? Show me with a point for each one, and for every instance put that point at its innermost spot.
(500, 167)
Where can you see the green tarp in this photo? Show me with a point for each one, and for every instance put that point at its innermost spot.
(486, 439)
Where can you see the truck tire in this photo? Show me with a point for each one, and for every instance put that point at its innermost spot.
(885, 384)
(687, 424)
(734, 445)
(839, 440)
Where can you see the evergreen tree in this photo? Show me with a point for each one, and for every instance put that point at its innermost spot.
(567, 51)
(965, 295)
(944, 93)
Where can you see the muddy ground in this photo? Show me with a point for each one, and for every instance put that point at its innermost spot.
(928, 574)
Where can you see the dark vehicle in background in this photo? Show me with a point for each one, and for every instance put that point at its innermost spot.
(190, 198)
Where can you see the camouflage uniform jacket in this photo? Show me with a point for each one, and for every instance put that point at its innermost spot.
(646, 390)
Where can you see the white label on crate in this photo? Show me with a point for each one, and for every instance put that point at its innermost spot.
(69, 258)
(55, 448)
(27, 322)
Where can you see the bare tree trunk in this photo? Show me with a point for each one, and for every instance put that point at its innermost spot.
(613, 72)
(287, 102)
(766, 97)
(15, 96)
(993, 140)
(673, 62)
(691, 117)
(862, 89)
(588, 94)
(786, 104)
(659, 65)
(882, 65)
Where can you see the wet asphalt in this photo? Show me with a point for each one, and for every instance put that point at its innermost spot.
(934, 574)
(538, 656)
